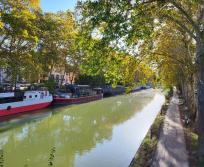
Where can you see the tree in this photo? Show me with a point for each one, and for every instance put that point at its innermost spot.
(18, 36)
(94, 81)
(33, 42)
(135, 21)
(116, 66)
(174, 57)
(56, 46)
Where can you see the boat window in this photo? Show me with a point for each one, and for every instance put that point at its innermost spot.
(36, 95)
(30, 96)
(24, 97)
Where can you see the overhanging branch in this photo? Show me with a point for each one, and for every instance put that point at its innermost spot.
(187, 16)
(181, 25)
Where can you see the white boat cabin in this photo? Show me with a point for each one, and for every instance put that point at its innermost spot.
(33, 95)
(28, 95)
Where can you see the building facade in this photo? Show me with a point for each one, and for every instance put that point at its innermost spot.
(59, 76)
(62, 78)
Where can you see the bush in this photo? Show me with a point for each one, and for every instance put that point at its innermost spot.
(51, 85)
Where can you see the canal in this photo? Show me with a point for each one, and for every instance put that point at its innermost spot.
(105, 133)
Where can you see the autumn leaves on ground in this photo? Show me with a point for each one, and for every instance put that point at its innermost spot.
(126, 42)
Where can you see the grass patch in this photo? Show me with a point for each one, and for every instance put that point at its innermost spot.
(191, 138)
(168, 92)
(191, 145)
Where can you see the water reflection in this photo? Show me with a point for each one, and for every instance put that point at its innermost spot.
(107, 131)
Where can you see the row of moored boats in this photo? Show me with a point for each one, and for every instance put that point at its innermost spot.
(24, 101)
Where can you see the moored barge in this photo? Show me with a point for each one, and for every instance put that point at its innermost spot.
(76, 94)
(77, 100)
(18, 102)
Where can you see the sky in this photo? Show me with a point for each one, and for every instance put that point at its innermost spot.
(57, 5)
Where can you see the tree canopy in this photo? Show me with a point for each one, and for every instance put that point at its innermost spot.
(32, 42)
(18, 36)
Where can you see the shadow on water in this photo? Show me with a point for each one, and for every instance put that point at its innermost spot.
(62, 136)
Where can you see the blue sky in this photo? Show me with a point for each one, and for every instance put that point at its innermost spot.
(57, 5)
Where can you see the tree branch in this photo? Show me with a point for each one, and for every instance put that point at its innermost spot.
(181, 25)
(169, 56)
(187, 16)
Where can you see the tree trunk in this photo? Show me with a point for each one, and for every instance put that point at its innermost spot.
(192, 103)
(200, 94)
(195, 98)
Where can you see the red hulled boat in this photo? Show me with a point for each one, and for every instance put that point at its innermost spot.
(18, 102)
(77, 100)
(76, 94)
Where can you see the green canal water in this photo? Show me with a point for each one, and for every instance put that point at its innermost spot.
(104, 133)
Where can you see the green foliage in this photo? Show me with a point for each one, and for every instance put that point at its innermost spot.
(168, 92)
(191, 138)
(57, 40)
(18, 37)
(159, 33)
(34, 43)
(117, 66)
(97, 80)
(51, 85)
(110, 33)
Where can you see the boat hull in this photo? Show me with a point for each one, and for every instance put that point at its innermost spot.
(20, 109)
(68, 101)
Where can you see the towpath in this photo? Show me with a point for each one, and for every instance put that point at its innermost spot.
(171, 148)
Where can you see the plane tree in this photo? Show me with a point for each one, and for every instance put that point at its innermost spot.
(18, 36)
(57, 38)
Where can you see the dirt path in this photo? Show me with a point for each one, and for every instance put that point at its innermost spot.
(171, 148)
